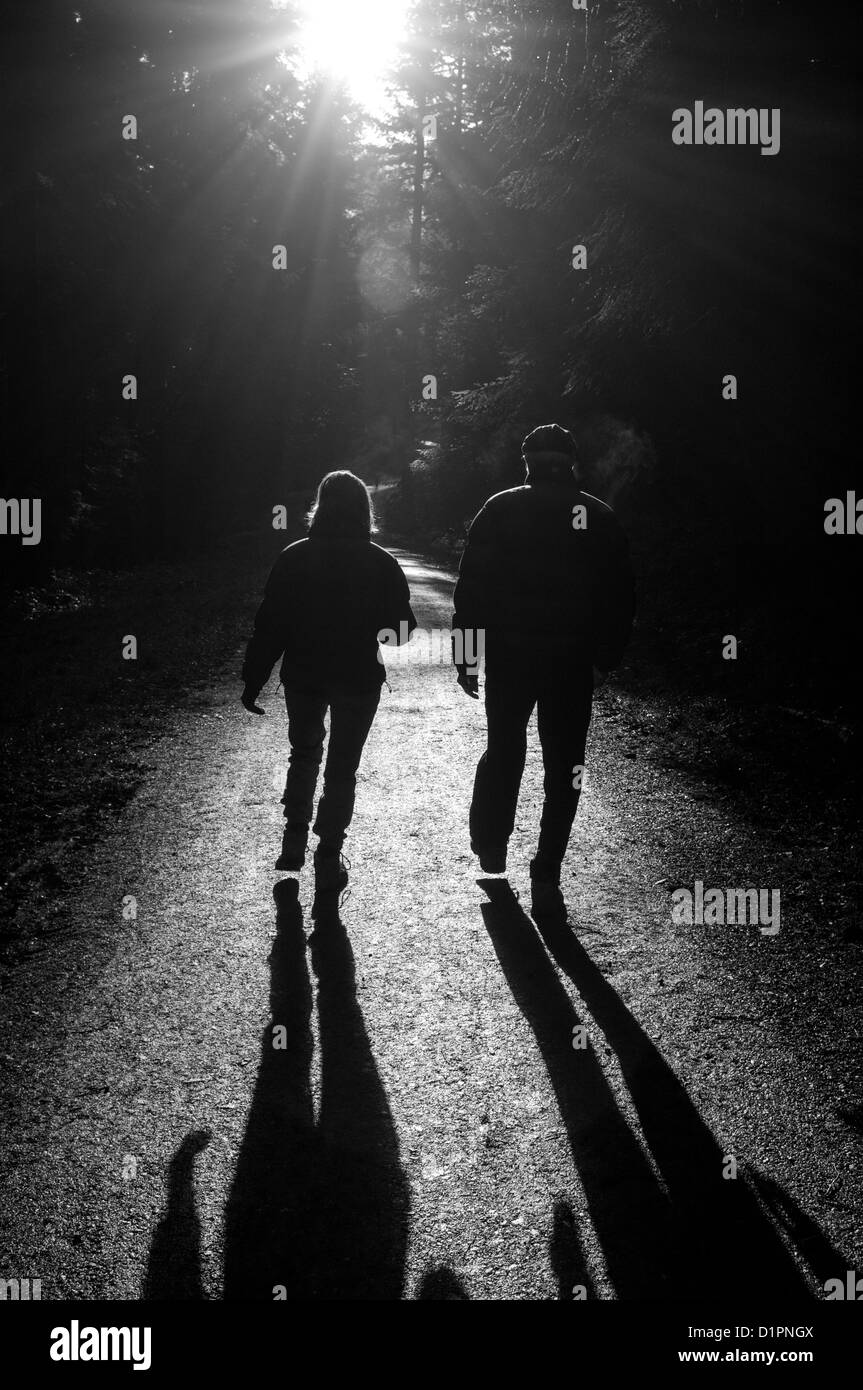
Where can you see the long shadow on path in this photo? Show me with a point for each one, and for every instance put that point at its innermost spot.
(174, 1261)
(693, 1234)
(318, 1207)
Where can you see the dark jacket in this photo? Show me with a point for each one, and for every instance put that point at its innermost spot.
(325, 602)
(541, 590)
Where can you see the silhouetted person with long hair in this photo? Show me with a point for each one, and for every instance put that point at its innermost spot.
(326, 600)
(546, 577)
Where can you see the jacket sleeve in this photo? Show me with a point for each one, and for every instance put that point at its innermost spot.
(474, 590)
(267, 642)
(399, 616)
(616, 588)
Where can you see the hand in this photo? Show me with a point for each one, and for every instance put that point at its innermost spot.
(247, 700)
(470, 685)
(598, 676)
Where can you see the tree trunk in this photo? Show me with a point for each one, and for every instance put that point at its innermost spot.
(419, 172)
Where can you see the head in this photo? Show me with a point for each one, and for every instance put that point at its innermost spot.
(342, 507)
(550, 455)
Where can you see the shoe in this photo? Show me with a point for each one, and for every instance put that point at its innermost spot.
(294, 841)
(331, 872)
(492, 858)
(546, 899)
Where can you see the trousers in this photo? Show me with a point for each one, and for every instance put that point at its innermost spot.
(563, 704)
(351, 718)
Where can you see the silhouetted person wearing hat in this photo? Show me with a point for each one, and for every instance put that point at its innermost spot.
(546, 576)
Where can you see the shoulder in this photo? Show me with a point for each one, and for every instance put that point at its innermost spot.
(601, 514)
(502, 504)
(595, 504)
(383, 558)
(503, 501)
(290, 556)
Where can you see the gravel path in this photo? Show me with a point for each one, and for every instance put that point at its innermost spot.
(428, 1128)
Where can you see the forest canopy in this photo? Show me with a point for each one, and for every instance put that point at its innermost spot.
(265, 275)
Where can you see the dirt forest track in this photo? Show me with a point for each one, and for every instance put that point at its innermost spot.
(215, 1097)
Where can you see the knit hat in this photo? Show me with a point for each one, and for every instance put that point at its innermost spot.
(549, 452)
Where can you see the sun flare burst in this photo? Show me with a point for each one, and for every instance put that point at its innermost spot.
(352, 42)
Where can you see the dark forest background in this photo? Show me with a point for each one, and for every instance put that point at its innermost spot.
(410, 257)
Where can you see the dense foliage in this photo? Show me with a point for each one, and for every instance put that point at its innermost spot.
(415, 252)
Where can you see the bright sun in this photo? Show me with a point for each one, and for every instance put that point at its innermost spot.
(352, 41)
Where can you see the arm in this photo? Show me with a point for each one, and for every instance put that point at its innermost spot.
(473, 592)
(400, 616)
(616, 585)
(267, 642)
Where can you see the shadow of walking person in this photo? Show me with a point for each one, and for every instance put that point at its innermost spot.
(174, 1261)
(741, 1232)
(630, 1213)
(442, 1284)
(688, 1234)
(567, 1255)
(318, 1208)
